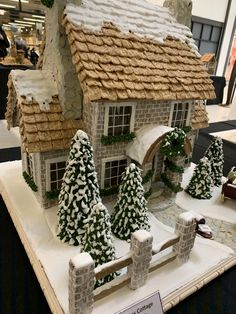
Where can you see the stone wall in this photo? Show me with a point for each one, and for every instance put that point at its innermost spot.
(186, 228)
(145, 113)
(81, 284)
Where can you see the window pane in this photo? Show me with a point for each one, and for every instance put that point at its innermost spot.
(118, 130)
(119, 120)
(60, 173)
(206, 47)
(57, 170)
(53, 186)
(53, 176)
(215, 36)
(52, 166)
(61, 165)
(113, 174)
(206, 33)
(197, 28)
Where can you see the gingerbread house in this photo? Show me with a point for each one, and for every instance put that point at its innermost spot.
(127, 76)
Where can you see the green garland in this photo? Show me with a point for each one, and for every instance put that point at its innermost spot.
(29, 180)
(173, 144)
(148, 193)
(173, 187)
(50, 195)
(48, 3)
(110, 139)
(186, 129)
(173, 167)
(148, 176)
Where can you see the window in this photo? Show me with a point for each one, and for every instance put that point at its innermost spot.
(119, 119)
(112, 171)
(55, 172)
(207, 35)
(180, 114)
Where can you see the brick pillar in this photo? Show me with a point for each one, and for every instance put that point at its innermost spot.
(186, 228)
(141, 250)
(81, 284)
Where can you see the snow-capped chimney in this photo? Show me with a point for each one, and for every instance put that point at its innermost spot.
(57, 59)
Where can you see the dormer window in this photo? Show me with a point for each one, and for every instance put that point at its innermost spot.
(119, 119)
(180, 114)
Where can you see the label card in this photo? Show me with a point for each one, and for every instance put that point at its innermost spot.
(149, 305)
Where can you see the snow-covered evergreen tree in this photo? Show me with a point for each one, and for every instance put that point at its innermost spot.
(79, 191)
(98, 241)
(216, 157)
(130, 211)
(201, 182)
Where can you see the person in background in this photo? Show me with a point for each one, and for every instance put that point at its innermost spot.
(4, 43)
(33, 56)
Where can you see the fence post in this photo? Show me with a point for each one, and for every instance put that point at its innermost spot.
(81, 284)
(186, 228)
(141, 250)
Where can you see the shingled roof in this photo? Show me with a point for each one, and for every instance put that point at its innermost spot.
(136, 51)
(41, 123)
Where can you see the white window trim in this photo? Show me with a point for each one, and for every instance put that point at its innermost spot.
(105, 160)
(189, 110)
(121, 104)
(32, 162)
(48, 162)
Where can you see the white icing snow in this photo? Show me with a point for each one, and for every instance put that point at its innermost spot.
(142, 235)
(187, 216)
(137, 16)
(145, 137)
(35, 85)
(205, 254)
(82, 260)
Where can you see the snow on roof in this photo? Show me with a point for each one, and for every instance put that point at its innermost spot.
(137, 16)
(35, 86)
(145, 137)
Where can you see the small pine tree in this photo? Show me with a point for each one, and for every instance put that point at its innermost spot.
(216, 157)
(79, 191)
(98, 241)
(201, 182)
(130, 211)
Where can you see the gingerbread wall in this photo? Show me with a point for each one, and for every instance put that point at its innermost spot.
(145, 113)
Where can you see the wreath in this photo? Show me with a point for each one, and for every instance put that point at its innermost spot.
(173, 144)
(47, 3)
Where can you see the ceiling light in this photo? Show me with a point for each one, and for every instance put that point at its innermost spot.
(8, 6)
(39, 16)
(33, 20)
(24, 22)
(22, 1)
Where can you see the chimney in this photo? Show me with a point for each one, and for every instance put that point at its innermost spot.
(58, 61)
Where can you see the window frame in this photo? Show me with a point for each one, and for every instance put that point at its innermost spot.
(173, 103)
(110, 159)
(30, 165)
(122, 104)
(212, 24)
(48, 162)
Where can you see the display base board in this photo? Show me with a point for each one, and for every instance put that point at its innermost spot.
(50, 258)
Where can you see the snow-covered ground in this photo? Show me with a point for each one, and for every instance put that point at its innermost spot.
(54, 255)
(213, 208)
